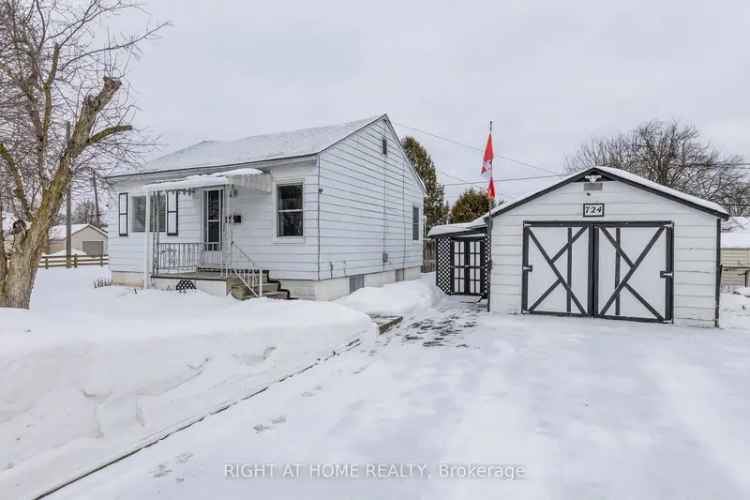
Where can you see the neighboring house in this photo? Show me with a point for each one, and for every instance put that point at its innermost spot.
(318, 212)
(85, 238)
(603, 243)
(735, 252)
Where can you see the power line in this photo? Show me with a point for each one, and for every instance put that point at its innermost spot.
(474, 148)
(506, 179)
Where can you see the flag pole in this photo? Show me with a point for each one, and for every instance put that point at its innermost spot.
(488, 239)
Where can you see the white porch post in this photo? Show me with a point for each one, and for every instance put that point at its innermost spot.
(146, 247)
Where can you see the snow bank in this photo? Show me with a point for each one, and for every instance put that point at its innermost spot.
(396, 298)
(88, 371)
(735, 309)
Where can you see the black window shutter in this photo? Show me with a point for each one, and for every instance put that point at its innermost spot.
(122, 214)
(172, 213)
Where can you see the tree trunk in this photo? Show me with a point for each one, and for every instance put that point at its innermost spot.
(19, 280)
(21, 266)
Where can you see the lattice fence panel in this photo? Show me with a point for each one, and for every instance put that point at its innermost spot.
(443, 264)
(486, 254)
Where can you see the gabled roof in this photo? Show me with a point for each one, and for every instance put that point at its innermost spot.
(622, 176)
(58, 232)
(276, 146)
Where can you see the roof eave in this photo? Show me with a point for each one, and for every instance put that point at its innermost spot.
(589, 171)
(213, 168)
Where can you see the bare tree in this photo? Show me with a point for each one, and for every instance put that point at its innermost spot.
(57, 67)
(673, 155)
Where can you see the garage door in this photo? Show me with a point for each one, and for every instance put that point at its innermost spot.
(93, 248)
(606, 269)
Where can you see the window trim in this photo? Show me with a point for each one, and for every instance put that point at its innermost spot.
(121, 213)
(176, 211)
(287, 239)
(415, 225)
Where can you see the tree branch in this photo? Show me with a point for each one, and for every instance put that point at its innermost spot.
(19, 190)
(103, 134)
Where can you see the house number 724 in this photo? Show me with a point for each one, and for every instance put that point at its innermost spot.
(593, 209)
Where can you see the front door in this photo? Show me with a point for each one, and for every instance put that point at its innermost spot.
(604, 269)
(213, 227)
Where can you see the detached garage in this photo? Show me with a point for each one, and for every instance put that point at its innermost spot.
(606, 243)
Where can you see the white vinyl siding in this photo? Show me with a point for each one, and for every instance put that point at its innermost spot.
(296, 259)
(694, 243)
(366, 205)
(126, 252)
(366, 209)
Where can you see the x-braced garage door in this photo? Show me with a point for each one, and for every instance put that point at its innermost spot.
(605, 269)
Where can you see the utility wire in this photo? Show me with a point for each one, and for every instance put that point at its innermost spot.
(474, 148)
(503, 180)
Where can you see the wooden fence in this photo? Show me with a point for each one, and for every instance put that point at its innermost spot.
(428, 256)
(48, 261)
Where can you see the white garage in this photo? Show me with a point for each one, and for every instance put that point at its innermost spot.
(606, 243)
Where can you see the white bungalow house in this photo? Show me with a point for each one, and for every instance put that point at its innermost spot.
(313, 214)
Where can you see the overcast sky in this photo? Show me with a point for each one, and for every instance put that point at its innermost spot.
(549, 74)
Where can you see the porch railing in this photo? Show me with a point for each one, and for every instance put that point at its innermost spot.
(230, 260)
(188, 257)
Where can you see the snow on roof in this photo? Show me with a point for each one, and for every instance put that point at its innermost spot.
(58, 232)
(617, 173)
(739, 239)
(736, 223)
(458, 227)
(274, 146)
(735, 233)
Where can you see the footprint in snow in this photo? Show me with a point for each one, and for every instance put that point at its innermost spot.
(261, 428)
(278, 420)
(183, 458)
(309, 394)
(161, 470)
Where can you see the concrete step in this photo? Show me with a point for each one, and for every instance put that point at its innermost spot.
(242, 293)
(267, 287)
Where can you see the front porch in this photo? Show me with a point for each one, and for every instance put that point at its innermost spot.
(213, 262)
(219, 283)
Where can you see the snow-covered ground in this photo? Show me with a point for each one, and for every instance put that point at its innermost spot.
(395, 298)
(554, 408)
(89, 373)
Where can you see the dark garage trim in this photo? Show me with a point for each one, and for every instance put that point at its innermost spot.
(609, 176)
(718, 272)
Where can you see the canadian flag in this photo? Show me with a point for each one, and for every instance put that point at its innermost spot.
(489, 155)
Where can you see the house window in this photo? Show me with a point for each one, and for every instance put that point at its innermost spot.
(122, 214)
(139, 213)
(289, 215)
(385, 146)
(356, 282)
(172, 225)
(415, 223)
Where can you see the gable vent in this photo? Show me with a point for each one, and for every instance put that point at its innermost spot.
(385, 146)
(592, 186)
